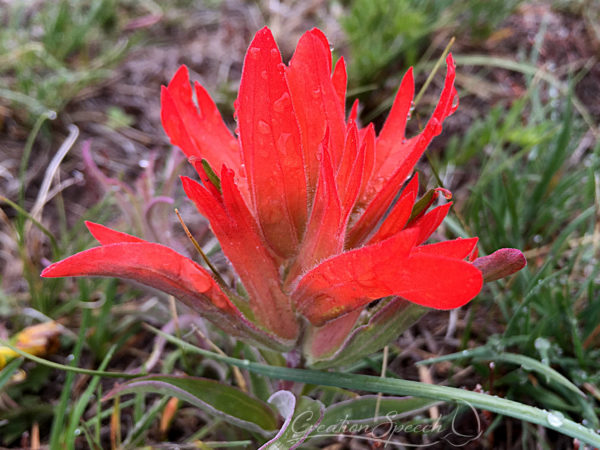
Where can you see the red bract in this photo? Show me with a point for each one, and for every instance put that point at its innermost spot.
(304, 205)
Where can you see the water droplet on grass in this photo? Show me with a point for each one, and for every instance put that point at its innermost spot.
(555, 418)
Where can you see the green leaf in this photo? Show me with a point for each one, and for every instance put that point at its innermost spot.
(529, 364)
(222, 400)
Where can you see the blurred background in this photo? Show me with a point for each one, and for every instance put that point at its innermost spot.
(81, 139)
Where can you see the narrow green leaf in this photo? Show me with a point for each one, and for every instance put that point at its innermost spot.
(216, 398)
(7, 372)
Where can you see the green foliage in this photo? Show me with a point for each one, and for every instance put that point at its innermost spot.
(51, 54)
(382, 33)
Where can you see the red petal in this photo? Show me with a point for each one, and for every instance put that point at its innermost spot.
(355, 278)
(352, 279)
(237, 231)
(397, 158)
(316, 101)
(428, 223)
(396, 219)
(106, 236)
(199, 132)
(271, 146)
(353, 112)
(351, 171)
(151, 264)
(367, 140)
(458, 248)
(392, 133)
(340, 80)
(324, 233)
(438, 282)
(376, 210)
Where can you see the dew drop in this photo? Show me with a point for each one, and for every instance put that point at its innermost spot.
(436, 126)
(242, 170)
(254, 52)
(281, 103)
(555, 418)
(263, 127)
(281, 67)
(316, 92)
(264, 75)
(274, 53)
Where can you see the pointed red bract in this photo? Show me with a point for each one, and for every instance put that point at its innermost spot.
(151, 264)
(199, 132)
(271, 145)
(324, 234)
(340, 81)
(315, 99)
(106, 236)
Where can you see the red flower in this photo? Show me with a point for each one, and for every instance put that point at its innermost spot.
(304, 208)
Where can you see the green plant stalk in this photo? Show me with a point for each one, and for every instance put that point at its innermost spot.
(25, 214)
(79, 409)
(61, 410)
(72, 369)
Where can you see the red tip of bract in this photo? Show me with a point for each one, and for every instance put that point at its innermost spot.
(106, 236)
(500, 264)
(271, 145)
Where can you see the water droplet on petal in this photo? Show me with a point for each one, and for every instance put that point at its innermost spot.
(436, 126)
(274, 53)
(281, 67)
(555, 418)
(254, 52)
(316, 93)
(264, 75)
(263, 127)
(281, 103)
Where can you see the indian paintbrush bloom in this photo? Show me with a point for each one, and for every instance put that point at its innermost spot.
(306, 208)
